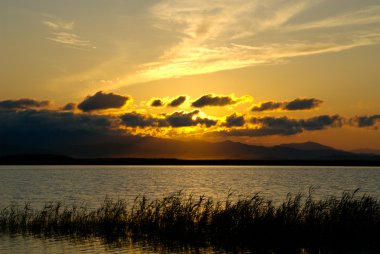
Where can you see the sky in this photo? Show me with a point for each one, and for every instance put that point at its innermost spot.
(258, 72)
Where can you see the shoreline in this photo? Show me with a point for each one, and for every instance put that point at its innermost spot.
(47, 159)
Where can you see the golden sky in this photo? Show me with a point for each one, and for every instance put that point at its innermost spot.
(240, 56)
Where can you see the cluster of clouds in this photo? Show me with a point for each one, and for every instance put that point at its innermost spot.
(207, 100)
(365, 121)
(172, 103)
(103, 101)
(30, 115)
(283, 126)
(176, 119)
(32, 120)
(212, 100)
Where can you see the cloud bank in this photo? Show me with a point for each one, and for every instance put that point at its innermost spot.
(23, 104)
(175, 120)
(31, 121)
(283, 126)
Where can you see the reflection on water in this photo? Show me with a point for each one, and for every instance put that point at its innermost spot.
(91, 184)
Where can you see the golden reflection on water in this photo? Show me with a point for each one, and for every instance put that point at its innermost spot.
(91, 184)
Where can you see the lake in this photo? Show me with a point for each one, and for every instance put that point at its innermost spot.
(89, 185)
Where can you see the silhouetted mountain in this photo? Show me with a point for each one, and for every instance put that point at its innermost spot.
(317, 150)
(85, 144)
(161, 148)
(308, 146)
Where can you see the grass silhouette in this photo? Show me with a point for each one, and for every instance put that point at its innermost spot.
(348, 221)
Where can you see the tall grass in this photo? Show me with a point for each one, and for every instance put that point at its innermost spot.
(349, 220)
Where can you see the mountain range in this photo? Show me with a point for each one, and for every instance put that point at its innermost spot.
(82, 145)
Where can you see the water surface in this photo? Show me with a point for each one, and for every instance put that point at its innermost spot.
(89, 185)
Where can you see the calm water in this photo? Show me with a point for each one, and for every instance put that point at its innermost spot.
(91, 184)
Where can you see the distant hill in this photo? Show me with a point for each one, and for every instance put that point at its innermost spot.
(366, 151)
(87, 145)
(162, 148)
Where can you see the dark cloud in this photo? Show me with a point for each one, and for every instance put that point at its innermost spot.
(277, 126)
(284, 126)
(213, 100)
(59, 132)
(297, 104)
(235, 120)
(287, 126)
(102, 100)
(157, 103)
(33, 120)
(256, 132)
(206, 121)
(178, 101)
(176, 119)
(302, 104)
(23, 104)
(321, 122)
(365, 121)
(69, 106)
(183, 119)
(266, 106)
(134, 119)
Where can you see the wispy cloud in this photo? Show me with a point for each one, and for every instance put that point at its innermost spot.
(212, 36)
(59, 25)
(69, 39)
(62, 32)
(365, 16)
(226, 35)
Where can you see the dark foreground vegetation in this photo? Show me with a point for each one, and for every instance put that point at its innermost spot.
(348, 222)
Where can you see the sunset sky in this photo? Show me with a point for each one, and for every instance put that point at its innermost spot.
(258, 72)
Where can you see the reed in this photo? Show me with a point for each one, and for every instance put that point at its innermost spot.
(349, 220)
